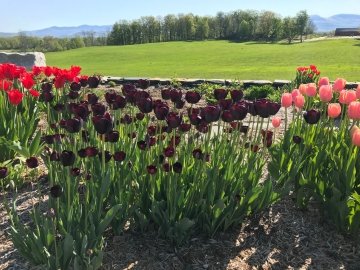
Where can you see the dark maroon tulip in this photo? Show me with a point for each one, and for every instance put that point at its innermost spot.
(75, 172)
(47, 96)
(165, 94)
(239, 111)
(268, 142)
(236, 95)
(167, 129)
(145, 105)
(184, 127)
(262, 108)
(166, 167)
(3, 172)
(54, 156)
(82, 111)
(151, 130)
(58, 137)
(112, 136)
(82, 153)
(92, 98)
(91, 151)
(177, 167)
(139, 95)
(173, 119)
(102, 124)
(180, 104)
(132, 135)
(225, 104)
(226, 116)
(175, 95)
(211, 113)
(56, 191)
(203, 127)
(83, 81)
(98, 109)
(195, 119)
(193, 111)
(254, 148)
(32, 162)
(175, 140)
(46, 87)
(266, 134)
(312, 117)
(74, 86)
(161, 112)
(119, 103)
(108, 156)
(220, 93)
(151, 169)
(49, 139)
(71, 106)
(73, 125)
(140, 116)
(142, 145)
(127, 119)
(54, 126)
(273, 107)
(143, 84)
(197, 153)
(67, 158)
(88, 176)
(127, 88)
(59, 107)
(110, 97)
(151, 141)
(169, 151)
(297, 139)
(93, 81)
(192, 97)
(119, 156)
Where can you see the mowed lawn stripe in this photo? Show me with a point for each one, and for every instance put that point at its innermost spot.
(216, 59)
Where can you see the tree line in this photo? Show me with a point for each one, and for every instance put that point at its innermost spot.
(240, 25)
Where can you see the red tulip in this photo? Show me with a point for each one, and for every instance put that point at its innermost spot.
(15, 96)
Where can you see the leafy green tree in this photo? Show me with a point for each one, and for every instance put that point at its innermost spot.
(302, 20)
(289, 28)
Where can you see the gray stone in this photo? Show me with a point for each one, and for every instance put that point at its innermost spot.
(248, 83)
(27, 60)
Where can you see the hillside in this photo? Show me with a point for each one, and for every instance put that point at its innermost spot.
(215, 59)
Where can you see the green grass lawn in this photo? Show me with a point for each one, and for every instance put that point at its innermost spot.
(216, 59)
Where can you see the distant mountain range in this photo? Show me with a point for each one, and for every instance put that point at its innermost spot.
(322, 25)
(72, 31)
(336, 21)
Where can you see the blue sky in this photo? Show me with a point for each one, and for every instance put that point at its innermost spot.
(21, 15)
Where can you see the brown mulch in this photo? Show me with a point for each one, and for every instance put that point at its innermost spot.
(282, 237)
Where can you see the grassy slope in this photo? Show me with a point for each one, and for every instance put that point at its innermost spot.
(216, 59)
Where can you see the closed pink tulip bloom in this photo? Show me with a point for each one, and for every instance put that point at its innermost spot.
(295, 93)
(286, 100)
(334, 110)
(302, 88)
(342, 97)
(311, 90)
(350, 96)
(323, 81)
(299, 101)
(358, 91)
(339, 84)
(356, 138)
(325, 93)
(354, 110)
(353, 129)
(276, 121)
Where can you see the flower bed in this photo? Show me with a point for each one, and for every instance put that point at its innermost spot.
(152, 163)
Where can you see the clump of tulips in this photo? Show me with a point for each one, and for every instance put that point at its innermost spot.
(318, 157)
(154, 162)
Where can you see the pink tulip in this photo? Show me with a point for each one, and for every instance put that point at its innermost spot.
(286, 100)
(323, 81)
(354, 110)
(358, 91)
(325, 93)
(339, 84)
(342, 97)
(353, 129)
(276, 121)
(295, 93)
(311, 90)
(350, 96)
(299, 101)
(302, 88)
(334, 110)
(355, 138)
